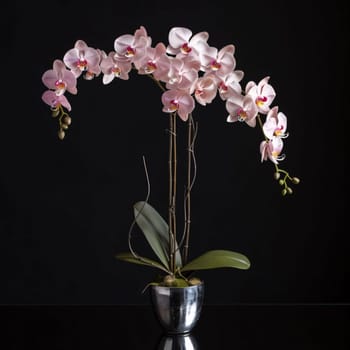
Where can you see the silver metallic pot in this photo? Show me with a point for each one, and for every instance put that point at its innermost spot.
(177, 308)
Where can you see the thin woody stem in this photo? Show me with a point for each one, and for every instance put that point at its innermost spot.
(173, 199)
(261, 126)
(188, 190)
(171, 191)
(191, 177)
(172, 185)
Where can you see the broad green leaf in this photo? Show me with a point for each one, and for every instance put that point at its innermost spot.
(156, 231)
(129, 257)
(214, 259)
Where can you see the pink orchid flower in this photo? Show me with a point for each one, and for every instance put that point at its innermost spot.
(275, 124)
(229, 85)
(178, 101)
(205, 90)
(54, 101)
(162, 64)
(182, 75)
(220, 62)
(242, 108)
(82, 58)
(114, 67)
(92, 74)
(148, 64)
(182, 41)
(271, 149)
(133, 47)
(263, 94)
(185, 46)
(60, 79)
(89, 75)
(142, 32)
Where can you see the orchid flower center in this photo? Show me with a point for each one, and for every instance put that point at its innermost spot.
(215, 65)
(150, 67)
(223, 87)
(276, 155)
(173, 80)
(199, 92)
(60, 87)
(60, 84)
(116, 71)
(185, 49)
(82, 64)
(278, 131)
(242, 115)
(174, 105)
(260, 101)
(130, 52)
(89, 75)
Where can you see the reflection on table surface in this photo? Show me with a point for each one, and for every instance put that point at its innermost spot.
(241, 326)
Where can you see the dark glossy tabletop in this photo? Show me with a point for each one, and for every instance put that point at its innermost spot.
(241, 326)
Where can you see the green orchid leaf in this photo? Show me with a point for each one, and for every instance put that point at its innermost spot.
(215, 259)
(129, 257)
(152, 225)
(156, 231)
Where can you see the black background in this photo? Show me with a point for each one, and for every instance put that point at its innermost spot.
(67, 205)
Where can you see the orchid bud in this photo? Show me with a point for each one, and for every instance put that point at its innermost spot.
(284, 192)
(295, 180)
(61, 134)
(276, 175)
(289, 190)
(64, 126)
(281, 182)
(67, 120)
(55, 112)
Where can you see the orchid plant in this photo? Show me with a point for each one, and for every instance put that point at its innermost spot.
(188, 71)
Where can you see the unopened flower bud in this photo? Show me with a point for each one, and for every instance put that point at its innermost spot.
(295, 180)
(61, 134)
(276, 175)
(64, 126)
(281, 182)
(289, 190)
(67, 120)
(284, 192)
(55, 112)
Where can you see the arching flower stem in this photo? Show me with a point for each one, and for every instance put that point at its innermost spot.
(190, 180)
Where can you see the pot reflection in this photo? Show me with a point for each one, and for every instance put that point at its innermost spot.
(178, 342)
